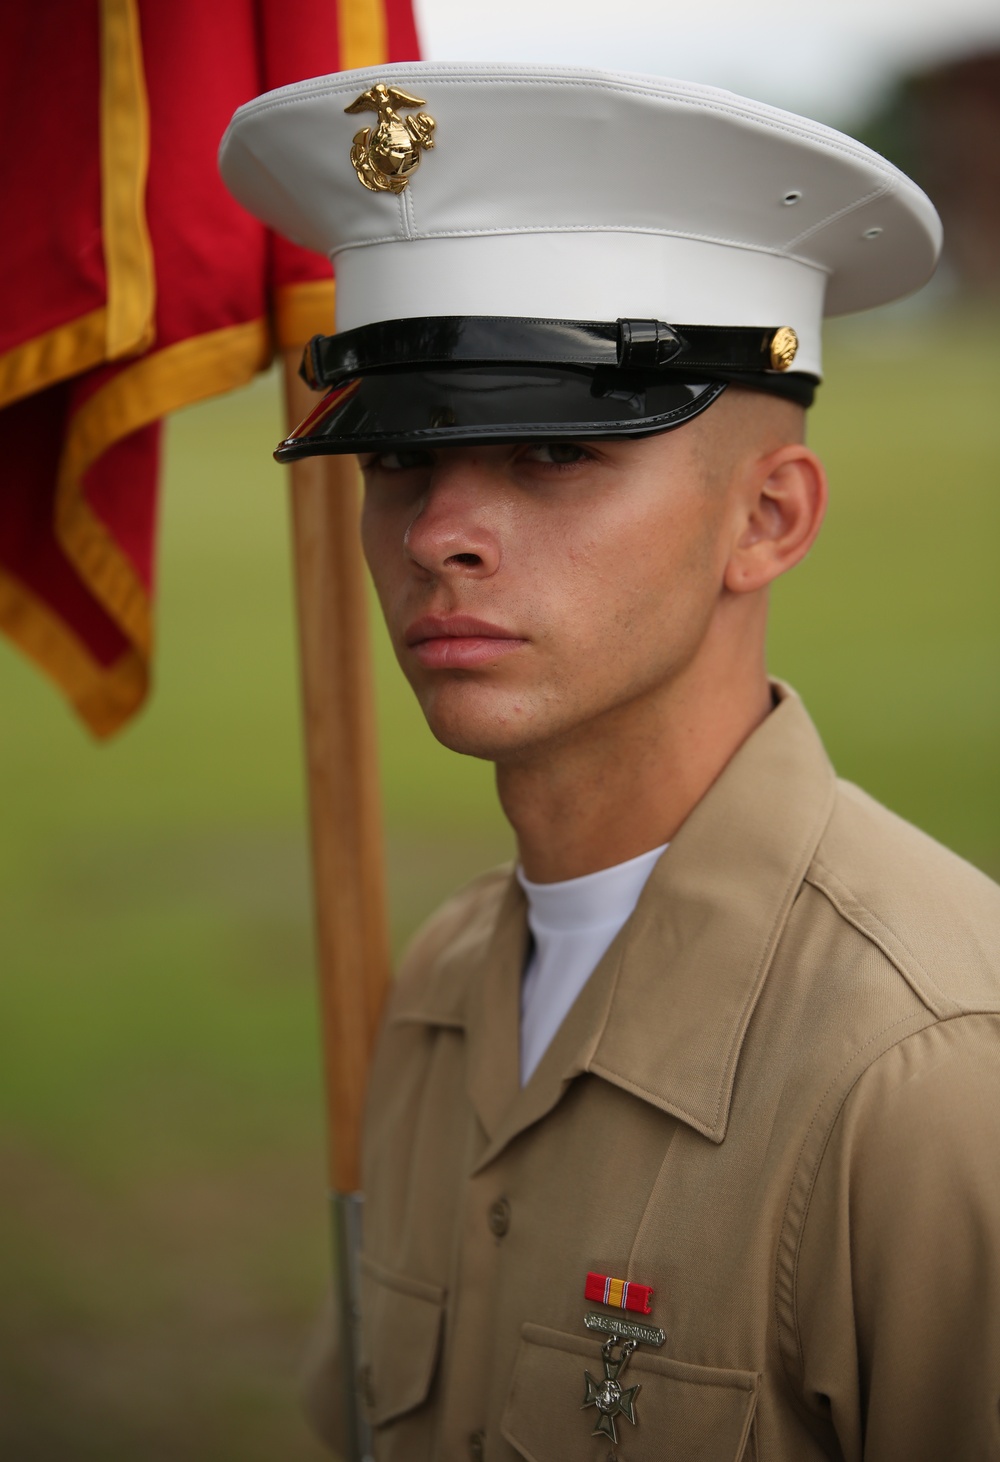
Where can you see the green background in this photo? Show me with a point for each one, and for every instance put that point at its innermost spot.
(162, 1231)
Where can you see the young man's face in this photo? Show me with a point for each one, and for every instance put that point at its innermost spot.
(533, 591)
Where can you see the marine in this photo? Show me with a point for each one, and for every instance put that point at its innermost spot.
(682, 1135)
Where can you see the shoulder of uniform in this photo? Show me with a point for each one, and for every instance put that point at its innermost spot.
(464, 918)
(896, 1197)
(935, 916)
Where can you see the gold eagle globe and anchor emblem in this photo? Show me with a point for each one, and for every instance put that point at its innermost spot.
(386, 154)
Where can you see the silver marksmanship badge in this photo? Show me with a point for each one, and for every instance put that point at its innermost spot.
(609, 1395)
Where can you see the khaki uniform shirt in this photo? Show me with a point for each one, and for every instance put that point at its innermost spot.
(777, 1101)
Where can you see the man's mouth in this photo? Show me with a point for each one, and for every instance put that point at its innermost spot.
(458, 642)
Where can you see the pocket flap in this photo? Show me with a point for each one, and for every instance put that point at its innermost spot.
(683, 1413)
(400, 1335)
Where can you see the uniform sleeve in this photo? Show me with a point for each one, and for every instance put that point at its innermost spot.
(898, 1285)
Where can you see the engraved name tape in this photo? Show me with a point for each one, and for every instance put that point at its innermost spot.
(626, 1329)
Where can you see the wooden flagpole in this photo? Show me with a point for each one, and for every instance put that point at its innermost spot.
(345, 819)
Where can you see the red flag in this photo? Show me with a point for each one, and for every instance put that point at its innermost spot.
(133, 284)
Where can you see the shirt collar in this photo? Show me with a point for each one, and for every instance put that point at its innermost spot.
(688, 965)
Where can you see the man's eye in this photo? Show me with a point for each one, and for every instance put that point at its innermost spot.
(558, 454)
(401, 461)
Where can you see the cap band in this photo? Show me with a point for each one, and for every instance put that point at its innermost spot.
(465, 340)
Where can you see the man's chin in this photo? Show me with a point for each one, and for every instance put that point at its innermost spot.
(488, 743)
(492, 732)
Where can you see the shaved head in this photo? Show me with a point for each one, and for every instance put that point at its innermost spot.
(742, 424)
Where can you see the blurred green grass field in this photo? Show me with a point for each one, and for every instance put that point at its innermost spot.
(163, 1230)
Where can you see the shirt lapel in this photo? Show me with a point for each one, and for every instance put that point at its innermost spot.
(699, 945)
(664, 1014)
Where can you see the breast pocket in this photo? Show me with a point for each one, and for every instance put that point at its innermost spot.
(401, 1320)
(683, 1413)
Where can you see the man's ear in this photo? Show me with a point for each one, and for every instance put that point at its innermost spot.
(784, 501)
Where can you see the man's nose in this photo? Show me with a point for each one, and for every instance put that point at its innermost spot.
(454, 531)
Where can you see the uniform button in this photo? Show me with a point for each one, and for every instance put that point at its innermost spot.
(477, 1446)
(499, 1217)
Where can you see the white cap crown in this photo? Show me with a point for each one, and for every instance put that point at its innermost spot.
(572, 194)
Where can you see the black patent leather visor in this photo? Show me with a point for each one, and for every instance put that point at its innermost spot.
(456, 379)
(493, 404)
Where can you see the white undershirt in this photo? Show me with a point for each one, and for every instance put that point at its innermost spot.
(572, 923)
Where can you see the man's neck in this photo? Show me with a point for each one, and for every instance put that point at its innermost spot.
(628, 782)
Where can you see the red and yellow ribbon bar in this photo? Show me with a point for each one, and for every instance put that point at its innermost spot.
(621, 1294)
